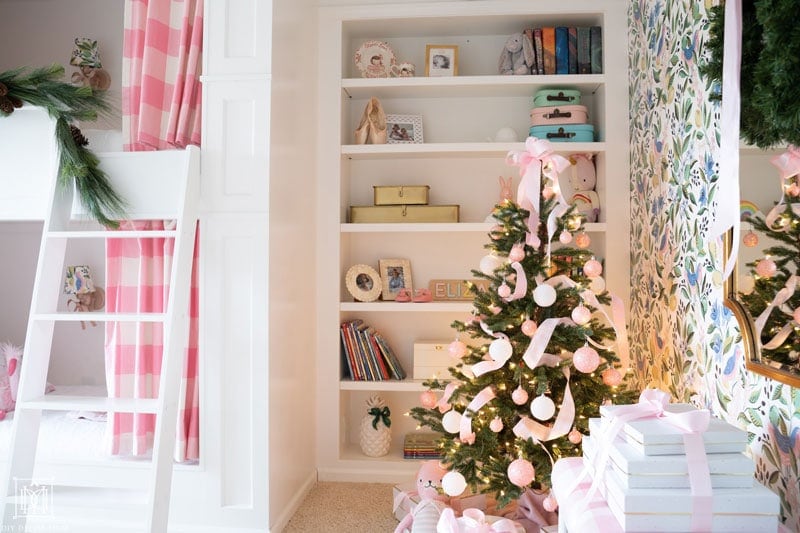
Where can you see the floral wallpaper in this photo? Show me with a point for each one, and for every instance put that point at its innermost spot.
(684, 340)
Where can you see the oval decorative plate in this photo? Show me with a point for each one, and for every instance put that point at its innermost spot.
(375, 59)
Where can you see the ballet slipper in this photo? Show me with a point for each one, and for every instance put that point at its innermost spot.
(362, 132)
(377, 121)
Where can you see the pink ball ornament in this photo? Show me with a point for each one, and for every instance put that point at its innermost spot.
(521, 472)
(428, 399)
(504, 291)
(529, 327)
(586, 359)
(612, 377)
(457, 349)
(766, 268)
(519, 396)
(550, 504)
(495, 309)
(582, 240)
(592, 268)
(543, 408)
(496, 424)
(793, 190)
(565, 237)
(575, 436)
(581, 315)
(517, 253)
(750, 239)
(547, 193)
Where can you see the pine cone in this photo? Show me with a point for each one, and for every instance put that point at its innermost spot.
(6, 106)
(3, 89)
(15, 101)
(77, 136)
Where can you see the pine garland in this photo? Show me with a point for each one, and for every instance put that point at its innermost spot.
(770, 71)
(66, 104)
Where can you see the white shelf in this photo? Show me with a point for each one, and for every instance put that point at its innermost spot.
(407, 385)
(465, 86)
(419, 227)
(406, 307)
(461, 150)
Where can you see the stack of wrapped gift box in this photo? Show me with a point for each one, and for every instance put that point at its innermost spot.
(636, 476)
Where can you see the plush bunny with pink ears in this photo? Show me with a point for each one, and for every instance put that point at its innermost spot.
(432, 501)
(10, 357)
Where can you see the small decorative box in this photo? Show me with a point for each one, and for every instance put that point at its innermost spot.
(432, 359)
(751, 509)
(654, 436)
(551, 97)
(404, 213)
(555, 115)
(638, 471)
(401, 194)
(564, 133)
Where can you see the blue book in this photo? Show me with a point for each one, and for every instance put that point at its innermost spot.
(573, 50)
(584, 51)
(596, 46)
(562, 50)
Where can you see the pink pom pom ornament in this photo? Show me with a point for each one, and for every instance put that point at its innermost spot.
(521, 472)
(428, 399)
(586, 359)
(766, 268)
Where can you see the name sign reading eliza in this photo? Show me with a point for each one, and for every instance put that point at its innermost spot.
(456, 289)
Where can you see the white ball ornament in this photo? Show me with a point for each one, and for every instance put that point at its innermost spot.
(521, 472)
(500, 349)
(581, 315)
(597, 285)
(453, 483)
(496, 424)
(451, 421)
(544, 295)
(565, 237)
(543, 408)
(519, 396)
(586, 359)
(747, 284)
(489, 264)
(592, 268)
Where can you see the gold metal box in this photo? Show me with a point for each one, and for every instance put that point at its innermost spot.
(404, 213)
(401, 194)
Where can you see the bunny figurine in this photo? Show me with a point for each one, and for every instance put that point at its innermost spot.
(505, 189)
(583, 179)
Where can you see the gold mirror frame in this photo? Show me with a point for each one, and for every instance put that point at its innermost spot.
(752, 343)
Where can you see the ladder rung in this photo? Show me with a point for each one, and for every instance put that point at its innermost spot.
(92, 316)
(55, 402)
(120, 234)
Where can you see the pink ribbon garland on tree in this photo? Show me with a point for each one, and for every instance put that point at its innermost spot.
(521, 287)
(443, 403)
(781, 297)
(527, 428)
(492, 364)
(472, 521)
(482, 398)
(652, 404)
(788, 164)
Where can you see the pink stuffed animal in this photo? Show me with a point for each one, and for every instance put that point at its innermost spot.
(505, 189)
(10, 356)
(432, 501)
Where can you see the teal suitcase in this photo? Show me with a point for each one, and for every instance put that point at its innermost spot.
(548, 97)
(564, 133)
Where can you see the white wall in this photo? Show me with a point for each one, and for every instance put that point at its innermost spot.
(292, 259)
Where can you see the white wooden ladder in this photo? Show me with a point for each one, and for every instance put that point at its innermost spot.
(155, 185)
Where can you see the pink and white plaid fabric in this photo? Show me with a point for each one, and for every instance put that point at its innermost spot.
(161, 98)
(161, 65)
(137, 277)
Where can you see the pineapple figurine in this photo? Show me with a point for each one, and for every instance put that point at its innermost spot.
(375, 433)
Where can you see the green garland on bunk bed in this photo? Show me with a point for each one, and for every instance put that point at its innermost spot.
(66, 104)
(770, 72)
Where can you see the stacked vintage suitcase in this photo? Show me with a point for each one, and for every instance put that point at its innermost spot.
(558, 116)
(402, 203)
(646, 483)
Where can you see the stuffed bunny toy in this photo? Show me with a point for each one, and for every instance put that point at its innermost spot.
(517, 55)
(583, 179)
(425, 515)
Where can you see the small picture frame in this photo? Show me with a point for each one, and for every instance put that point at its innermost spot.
(404, 129)
(441, 60)
(363, 283)
(395, 275)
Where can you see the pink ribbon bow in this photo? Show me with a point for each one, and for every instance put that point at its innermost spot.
(472, 521)
(788, 163)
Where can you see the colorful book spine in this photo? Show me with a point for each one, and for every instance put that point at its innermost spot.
(369, 363)
(537, 46)
(347, 354)
(596, 46)
(399, 372)
(584, 51)
(573, 50)
(376, 353)
(549, 49)
(562, 50)
(528, 34)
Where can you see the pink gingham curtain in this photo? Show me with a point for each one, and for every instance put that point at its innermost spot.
(161, 110)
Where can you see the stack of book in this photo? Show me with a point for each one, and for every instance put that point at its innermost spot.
(421, 446)
(646, 485)
(566, 49)
(367, 355)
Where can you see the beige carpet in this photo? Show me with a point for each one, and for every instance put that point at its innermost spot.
(345, 508)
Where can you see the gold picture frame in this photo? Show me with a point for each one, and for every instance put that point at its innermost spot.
(395, 275)
(441, 60)
(363, 283)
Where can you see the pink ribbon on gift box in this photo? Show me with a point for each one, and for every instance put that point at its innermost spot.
(472, 521)
(652, 404)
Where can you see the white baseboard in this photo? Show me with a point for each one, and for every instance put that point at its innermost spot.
(289, 510)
